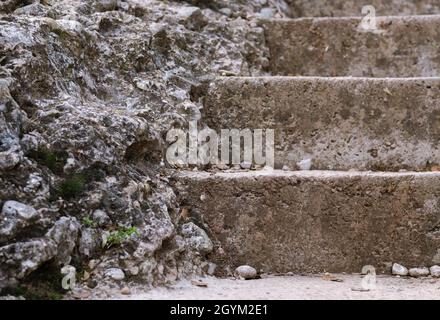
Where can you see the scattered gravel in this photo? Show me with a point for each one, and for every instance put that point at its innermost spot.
(294, 287)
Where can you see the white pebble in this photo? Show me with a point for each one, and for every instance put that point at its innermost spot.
(305, 164)
(399, 270)
(435, 271)
(419, 272)
(115, 273)
(246, 272)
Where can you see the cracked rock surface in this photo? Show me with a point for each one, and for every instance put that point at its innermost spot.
(88, 90)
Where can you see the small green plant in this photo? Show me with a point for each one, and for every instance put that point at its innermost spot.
(118, 236)
(72, 186)
(88, 222)
(54, 160)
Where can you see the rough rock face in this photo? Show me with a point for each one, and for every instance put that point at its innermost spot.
(21, 258)
(87, 91)
(15, 216)
(65, 234)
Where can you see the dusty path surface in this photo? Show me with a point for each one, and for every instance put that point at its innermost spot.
(294, 287)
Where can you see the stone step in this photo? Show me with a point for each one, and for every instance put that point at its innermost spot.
(400, 47)
(339, 123)
(315, 221)
(341, 8)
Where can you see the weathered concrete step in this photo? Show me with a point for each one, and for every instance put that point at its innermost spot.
(401, 47)
(342, 8)
(339, 123)
(316, 221)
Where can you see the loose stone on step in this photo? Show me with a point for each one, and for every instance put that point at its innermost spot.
(125, 291)
(246, 272)
(435, 271)
(115, 273)
(399, 270)
(305, 164)
(246, 165)
(419, 272)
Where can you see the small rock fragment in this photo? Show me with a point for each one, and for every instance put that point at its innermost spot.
(209, 267)
(91, 283)
(267, 13)
(226, 11)
(101, 218)
(305, 164)
(360, 289)
(197, 238)
(82, 294)
(329, 277)
(221, 166)
(14, 217)
(106, 5)
(419, 272)
(191, 17)
(285, 168)
(199, 283)
(125, 291)
(246, 272)
(115, 273)
(435, 271)
(246, 165)
(399, 270)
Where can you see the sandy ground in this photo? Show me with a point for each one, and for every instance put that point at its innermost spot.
(294, 287)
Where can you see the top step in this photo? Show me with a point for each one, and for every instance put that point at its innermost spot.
(353, 8)
(333, 47)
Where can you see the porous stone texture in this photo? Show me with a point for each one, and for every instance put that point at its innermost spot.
(197, 238)
(65, 234)
(21, 258)
(338, 123)
(400, 47)
(89, 242)
(315, 221)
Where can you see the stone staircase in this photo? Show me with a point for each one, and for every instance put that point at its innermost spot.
(364, 106)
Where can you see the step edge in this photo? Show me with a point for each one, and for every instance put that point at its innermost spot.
(325, 174)
(419, 17)
(323, 78)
